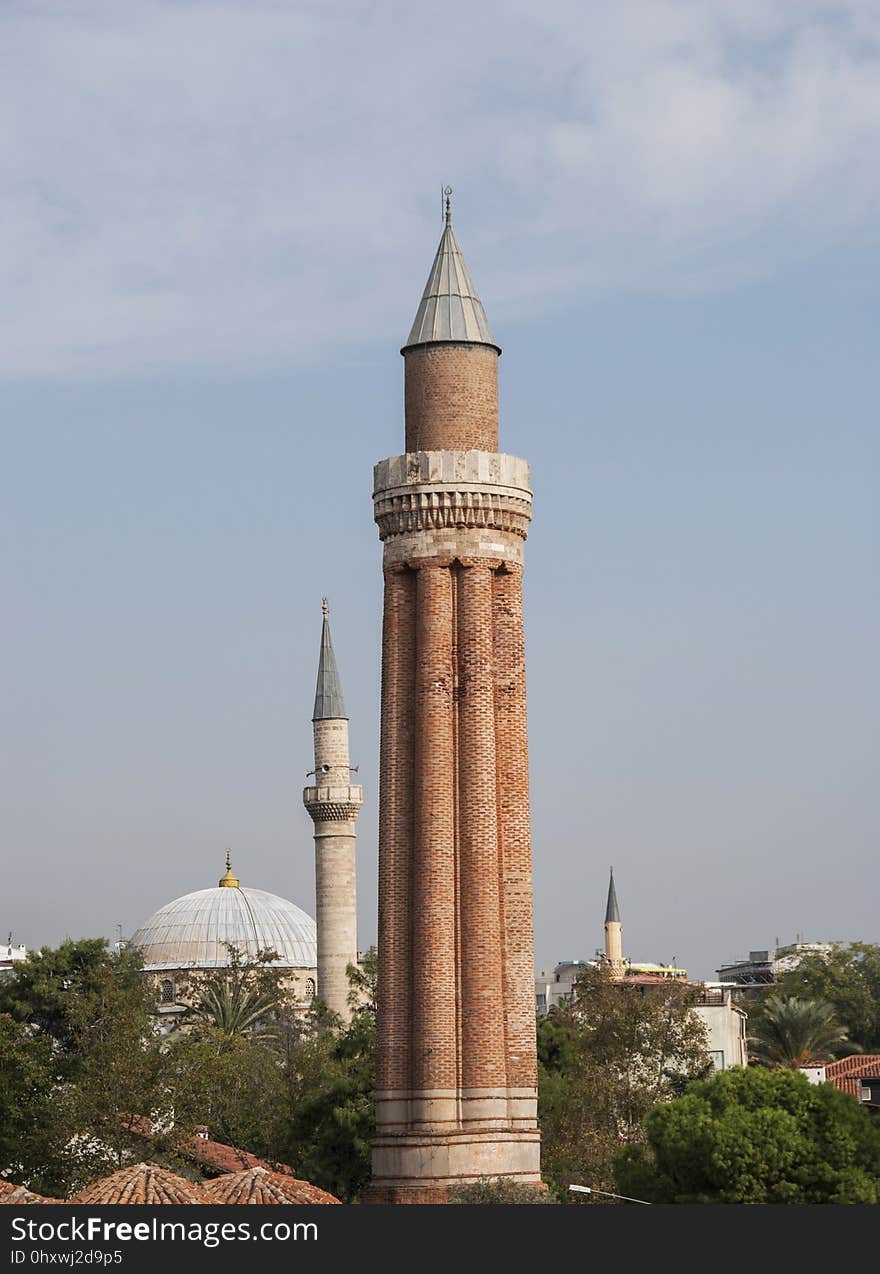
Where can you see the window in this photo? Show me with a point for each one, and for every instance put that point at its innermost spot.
(310, 988)
(166, 991)
(716, 1057)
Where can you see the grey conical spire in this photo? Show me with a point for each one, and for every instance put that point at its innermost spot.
(329, 705)
(450, 309)
(612, 912)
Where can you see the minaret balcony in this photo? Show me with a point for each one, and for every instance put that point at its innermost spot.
(333, 802)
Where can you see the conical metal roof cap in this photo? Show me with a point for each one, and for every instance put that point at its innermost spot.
(612, 911)
(450, 308)
(329, 704)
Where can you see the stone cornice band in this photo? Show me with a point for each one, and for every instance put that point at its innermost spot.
(435, 490)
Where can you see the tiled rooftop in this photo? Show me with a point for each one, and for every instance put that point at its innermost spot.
(141, 1183)
(256, 1185)
(18, 1195)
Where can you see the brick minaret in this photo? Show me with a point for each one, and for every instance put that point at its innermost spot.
(334, 803)
(457, 1074)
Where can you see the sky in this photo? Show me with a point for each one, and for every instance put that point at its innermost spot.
(217, 222)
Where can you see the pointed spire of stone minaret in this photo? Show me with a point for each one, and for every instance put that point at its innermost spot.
(329, 705)
(612, 911)
(614, 932)
(450, 308)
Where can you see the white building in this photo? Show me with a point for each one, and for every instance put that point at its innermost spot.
(725, 1023)
(10, 955)
(765, 967)
(554, 986)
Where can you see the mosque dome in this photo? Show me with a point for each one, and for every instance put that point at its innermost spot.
(192, 932)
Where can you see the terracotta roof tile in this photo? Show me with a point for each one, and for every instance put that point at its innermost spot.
(210, 1154)
(223, 1158)
(855, 1064)
(850, 1084)
(141, 1183)
(18, 1195)
(256, 1185)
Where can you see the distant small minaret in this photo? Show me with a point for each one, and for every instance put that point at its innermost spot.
(613, 932)
(333, 803)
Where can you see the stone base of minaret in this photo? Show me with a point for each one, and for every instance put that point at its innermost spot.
(425, 1168)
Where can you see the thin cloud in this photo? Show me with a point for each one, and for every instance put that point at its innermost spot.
(243, 185)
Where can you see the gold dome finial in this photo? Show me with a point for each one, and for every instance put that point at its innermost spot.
(228, 881)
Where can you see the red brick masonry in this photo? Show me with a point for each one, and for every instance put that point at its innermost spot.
(457, 1070)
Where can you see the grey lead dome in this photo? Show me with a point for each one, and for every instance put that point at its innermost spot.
(191, 932)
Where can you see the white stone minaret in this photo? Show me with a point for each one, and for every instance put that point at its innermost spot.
(334, 804)
(613, 932)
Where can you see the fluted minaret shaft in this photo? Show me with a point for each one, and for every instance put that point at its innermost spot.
(333, 803)
(457, 1068)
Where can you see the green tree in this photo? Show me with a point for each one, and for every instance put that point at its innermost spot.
(87, 1083)
(39, 991)
(848, 978)
(606, 1060)
(244, 997)
(115, 1080)
(752, 1135)
(226, 1068)
(497, 1190)
(28, 1078)
(232, 1011)
(332, 1078)
(85, 1037)
(235, 1085)
(793, 1032)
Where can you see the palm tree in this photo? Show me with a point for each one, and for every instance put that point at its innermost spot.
(233, 1009)
(793, 1032)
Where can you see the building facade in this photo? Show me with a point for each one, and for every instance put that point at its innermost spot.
(763, 968)
(10, 955)
(726, 1025)
(457, 1068)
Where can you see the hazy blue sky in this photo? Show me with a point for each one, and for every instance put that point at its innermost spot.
(217, 222)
